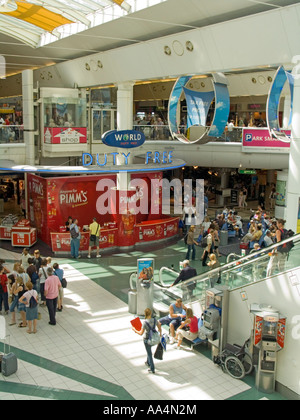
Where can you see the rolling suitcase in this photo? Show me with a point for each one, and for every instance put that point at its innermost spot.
(9, 363)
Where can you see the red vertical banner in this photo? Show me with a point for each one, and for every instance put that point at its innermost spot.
(37, 205)
(123, 209)
(281, 332)
(258, 326)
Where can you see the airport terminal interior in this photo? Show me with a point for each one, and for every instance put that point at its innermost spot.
(149, 149)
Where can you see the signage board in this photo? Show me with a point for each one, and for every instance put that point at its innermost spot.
(125, 139)
(260, 140)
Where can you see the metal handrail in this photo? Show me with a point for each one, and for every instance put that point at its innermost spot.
(169, 270)
(232, 255)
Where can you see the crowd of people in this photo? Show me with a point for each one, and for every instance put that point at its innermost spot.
(32, 282)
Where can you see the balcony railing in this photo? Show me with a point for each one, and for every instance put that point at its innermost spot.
(162, 132)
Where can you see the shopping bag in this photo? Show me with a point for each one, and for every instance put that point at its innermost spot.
(159, 352)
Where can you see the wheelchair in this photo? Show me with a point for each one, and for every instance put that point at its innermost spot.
(235, 360)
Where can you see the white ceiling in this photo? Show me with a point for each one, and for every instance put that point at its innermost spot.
(169, 17)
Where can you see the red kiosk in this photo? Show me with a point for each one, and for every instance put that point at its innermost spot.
(52, 200)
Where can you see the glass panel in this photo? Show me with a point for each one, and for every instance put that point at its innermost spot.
(96, 124)
(64, 112)
(106, 121)
(252, 268)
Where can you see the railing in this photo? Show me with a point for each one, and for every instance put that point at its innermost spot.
(252, 268)
(162, 132)
(11, 134)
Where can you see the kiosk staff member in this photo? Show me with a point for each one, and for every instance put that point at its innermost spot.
(94, 237)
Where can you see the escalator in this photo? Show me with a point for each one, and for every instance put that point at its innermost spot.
(255, 267)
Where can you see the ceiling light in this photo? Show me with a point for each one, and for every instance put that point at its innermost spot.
(189, 46)
(7, 6)
(167, 50)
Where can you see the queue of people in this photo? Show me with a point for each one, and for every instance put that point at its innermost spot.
(32, 282)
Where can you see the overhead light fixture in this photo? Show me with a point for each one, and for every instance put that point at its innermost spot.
(167, 50)
(189, 46)
(7, 6)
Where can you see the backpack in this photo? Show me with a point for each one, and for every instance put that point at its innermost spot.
(154, 337)
(32, 302)
(73, 233)
(285, 248)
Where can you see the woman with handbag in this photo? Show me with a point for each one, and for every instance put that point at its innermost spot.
(148, 325)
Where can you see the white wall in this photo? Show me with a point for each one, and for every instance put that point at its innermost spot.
(237, 44)
(13, 152)
(279, 293)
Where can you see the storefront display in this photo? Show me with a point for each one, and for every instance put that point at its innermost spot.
(125, 217)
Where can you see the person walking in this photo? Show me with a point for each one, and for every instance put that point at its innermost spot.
(3, 290)
(94, 237)
(75, 239)
(185, 274)
(148, 324)
(51, 291)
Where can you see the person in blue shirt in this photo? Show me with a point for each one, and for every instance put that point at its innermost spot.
(59, 272)
(75, 239)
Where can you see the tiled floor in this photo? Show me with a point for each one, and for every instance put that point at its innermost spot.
(92, 353)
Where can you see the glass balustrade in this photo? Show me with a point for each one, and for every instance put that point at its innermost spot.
(162, 132)
(11, 134)
(252, 268)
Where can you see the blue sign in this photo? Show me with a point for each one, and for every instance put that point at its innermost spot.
(222, 108)
(125, 139)
(198, 104)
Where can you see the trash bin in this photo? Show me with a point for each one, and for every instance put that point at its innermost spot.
(223, 237)
(132, 301)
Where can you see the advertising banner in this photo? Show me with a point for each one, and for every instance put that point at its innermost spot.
(198, 104)
(65, 135)
(37, 205)
(222, 108)
(260, 140)
(147, 232)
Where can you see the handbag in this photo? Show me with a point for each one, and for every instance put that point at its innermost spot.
(64, 283)
(159, 352)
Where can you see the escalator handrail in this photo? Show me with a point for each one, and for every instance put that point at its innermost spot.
(244, 261)
(170, 270)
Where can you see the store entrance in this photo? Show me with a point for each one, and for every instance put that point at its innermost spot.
(103, 120)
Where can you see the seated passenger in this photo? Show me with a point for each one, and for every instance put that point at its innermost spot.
(253, 237)
(191, 323)
(268, 240)
(174, 319)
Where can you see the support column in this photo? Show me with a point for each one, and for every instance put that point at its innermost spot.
(286, 112)
(124, 122)
(28, 116)
(293, 184)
